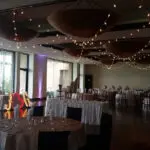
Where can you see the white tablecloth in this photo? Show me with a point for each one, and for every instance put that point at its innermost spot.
(91, 110)
(21, 137)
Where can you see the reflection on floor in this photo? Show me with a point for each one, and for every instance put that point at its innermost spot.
(131, 127)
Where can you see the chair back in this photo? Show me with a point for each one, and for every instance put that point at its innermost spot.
(105, 131)
(38, 111)
(53, 140)
(102, 141)
(74, 113)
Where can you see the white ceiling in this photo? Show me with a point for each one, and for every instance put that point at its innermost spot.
(29, 47)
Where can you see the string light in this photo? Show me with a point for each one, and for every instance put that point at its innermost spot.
(22, 12)
(114, 5)
(14, 27)
(89, 41)
(33, 46)
(131, 34)
(140, 6)
(30, 19)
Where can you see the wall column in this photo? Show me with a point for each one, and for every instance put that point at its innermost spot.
(31, 75)
(17, 72)
(81, 86)
(40, 76)
(75, 71)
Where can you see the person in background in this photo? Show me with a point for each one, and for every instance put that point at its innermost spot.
(113, 88)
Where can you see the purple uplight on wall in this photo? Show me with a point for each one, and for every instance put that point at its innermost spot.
(40, 87)
(41, 62)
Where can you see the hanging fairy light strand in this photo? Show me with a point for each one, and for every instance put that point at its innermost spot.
(14, 25)
(15, 38)
(91, 40)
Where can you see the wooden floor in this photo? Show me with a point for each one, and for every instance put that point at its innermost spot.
(131, 129)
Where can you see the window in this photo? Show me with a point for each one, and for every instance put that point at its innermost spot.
(6, 71)
(24, 69)
(58, 73)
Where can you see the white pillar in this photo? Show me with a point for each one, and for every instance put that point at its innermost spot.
(81, 77)
(40, 76)
(75, 71)
(17, 72)
(31, 75)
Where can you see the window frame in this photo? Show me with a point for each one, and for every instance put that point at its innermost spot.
(26, 70)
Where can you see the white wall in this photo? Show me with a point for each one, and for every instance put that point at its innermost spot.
(121, 75)
(81, 86)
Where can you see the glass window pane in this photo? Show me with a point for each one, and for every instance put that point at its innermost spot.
(6, 69)
(22, 80)
(58, 73)
(23, 61)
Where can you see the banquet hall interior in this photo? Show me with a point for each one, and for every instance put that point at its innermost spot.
(75, 75)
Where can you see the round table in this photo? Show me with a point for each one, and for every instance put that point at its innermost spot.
(23, 134)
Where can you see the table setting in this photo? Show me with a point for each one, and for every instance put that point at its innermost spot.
(22, 133)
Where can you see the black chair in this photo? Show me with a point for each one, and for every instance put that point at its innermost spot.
(53, 140)
(74, 113)
(38, 111)
(105, 131)
(102, 141)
